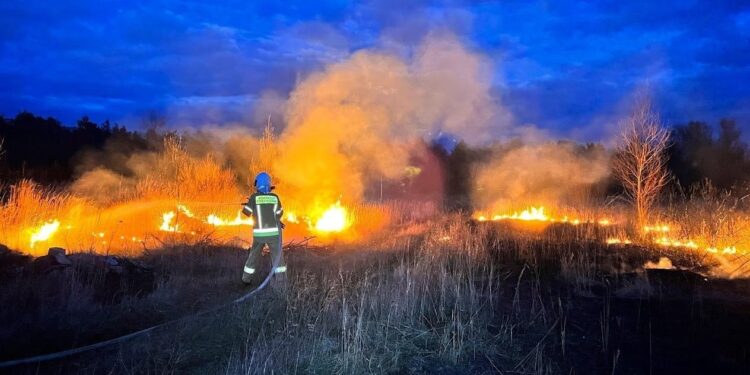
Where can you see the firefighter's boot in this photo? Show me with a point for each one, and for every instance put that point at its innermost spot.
(279, 282)
(250, 279)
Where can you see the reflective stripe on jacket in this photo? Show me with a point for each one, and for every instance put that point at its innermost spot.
(267, 211)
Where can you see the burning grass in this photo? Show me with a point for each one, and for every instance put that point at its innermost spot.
(715, 224)
(179, 198)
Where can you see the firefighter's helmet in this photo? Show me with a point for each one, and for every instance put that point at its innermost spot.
(263, 183)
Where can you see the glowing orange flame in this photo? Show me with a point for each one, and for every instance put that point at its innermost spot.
(334, 219)
(660, 228)
(686, 243)
(539, 214)
(618, 241)
(727, 250)
(292, 217)
(44, 232)
(531, 214)
(185, 211)
(670, 242)
(166, 222)
(219, 222)
(169, 217)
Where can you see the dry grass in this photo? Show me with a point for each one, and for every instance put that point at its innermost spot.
(178, 175)
(27, 207)
(129, 221)
(717, 220)
(438, 301)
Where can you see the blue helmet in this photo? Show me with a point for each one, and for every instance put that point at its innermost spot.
(263, 183)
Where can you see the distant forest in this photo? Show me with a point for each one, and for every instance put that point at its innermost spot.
(45, 150)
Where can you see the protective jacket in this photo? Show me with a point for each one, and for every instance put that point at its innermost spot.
(267, 211)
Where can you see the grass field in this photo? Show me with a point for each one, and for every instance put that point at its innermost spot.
(439, 296)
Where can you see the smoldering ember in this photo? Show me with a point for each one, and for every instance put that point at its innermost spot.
(375, 187)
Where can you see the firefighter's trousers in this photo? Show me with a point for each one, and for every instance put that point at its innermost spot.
(251, 265)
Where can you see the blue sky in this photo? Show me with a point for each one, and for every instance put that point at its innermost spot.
(564, 66)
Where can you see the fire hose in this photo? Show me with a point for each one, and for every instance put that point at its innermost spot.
(116, 340)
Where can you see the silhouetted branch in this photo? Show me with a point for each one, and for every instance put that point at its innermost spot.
(641, 161)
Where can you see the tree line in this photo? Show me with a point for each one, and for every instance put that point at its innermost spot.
(697, 153)
(49, 152)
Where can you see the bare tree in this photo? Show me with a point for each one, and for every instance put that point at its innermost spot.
(641, 160)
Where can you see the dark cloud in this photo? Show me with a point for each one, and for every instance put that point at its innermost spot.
(566, 66)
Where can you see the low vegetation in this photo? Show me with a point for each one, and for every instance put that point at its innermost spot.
(445, 296)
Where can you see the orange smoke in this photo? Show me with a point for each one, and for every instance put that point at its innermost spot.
(353, 125)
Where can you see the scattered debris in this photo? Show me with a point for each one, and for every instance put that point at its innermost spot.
(112, 277)
(58, 253)
(54, 261)
(119, 276)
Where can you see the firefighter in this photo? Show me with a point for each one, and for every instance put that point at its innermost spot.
(265, 208)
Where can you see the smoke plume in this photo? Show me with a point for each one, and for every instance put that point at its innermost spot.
(353, 122)
(539, 174)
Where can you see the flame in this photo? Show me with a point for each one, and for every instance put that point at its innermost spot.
(685, 243)
(209, 208)
(665, 240)
(727, 250)
(44, 232)
(531, 214)
(185, 210)
(670, 242)
(166, 222)
(660, 228)
(692, 244)
(168, 217)
(292, 217)
(618, 241)
(219, 222)
(539, 214)
(334, 219)
(658, 233)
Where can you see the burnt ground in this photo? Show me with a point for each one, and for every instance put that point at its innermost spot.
(688, 325)
(579, 308)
